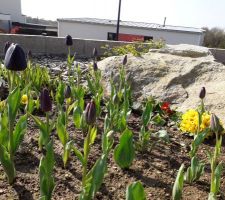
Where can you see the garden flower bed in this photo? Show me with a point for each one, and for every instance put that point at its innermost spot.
(156, 170)
(60, 138)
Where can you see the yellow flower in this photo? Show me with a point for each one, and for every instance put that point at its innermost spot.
(190, 121)
(205, 121)
(68, 101)
(24, 99)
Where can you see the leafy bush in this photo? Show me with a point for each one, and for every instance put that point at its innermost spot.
(214, 38)
(136, 49)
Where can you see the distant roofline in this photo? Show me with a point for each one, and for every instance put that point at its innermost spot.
(33, 24)
(110, 23)
(4, 14)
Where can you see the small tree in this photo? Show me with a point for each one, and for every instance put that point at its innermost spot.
(214, 38)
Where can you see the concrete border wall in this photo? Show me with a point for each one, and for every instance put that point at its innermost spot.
(44, 45)
(219, 54)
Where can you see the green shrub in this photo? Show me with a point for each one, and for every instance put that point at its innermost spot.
(136, 49)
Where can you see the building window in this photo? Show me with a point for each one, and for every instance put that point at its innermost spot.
(111, 36)
(129, 37)
(148, 38)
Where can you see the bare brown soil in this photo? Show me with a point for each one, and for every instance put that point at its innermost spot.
(156, 170)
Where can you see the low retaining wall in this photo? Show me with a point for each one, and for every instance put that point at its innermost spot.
(219, 54)
(45, 45)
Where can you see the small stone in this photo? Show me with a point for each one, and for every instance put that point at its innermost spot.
(56, 70)
(67, 175)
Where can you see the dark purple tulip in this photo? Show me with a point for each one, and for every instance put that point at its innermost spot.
(15, 58)
(125, 60)
(7, 44)
(45, 101)
(69, 40)
(214, 123)
(202, 93)
(95, 66)
(95, 53)
(67, 92)
(90, 113)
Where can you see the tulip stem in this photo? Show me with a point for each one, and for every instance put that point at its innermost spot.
(86, 153)
(9, 81)
(69, 65)
(13, 80)
(202, 107)
(47, 126)
(11, 140)
(66, 114)
(215, 158)
(12, 176)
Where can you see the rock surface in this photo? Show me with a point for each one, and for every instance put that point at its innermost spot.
(185, 50)
(175, 78)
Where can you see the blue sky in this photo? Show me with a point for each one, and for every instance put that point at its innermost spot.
(193, 13)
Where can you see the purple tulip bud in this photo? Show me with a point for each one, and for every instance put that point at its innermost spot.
(214, 123)
(45, 101)
(67, 92)
(95, 66)
(69, 40)
(15, 58)
(125, 60)
(95, 53)
(90, 113)
(7, 44)
(202, 93)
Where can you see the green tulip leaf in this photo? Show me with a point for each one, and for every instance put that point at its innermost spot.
(44, 135)
(212, 196)
(215, 188)
(178, 185)
(4, 132)
(124, 152)
(66, 152)
(46, 166)
(94, 179)
(62, 133)
(93, 135)
(158, 120)
(78, 154)
(7, 164)
(194, 171)
(77, 116)
(197, 141)
(13, 104)
(147, 114)
(19, 132)
(135, 191)
(60, 93)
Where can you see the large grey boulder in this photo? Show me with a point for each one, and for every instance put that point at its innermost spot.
(174, 78)
(185, 50)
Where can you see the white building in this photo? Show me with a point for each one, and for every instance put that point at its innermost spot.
(10, 11)
(103, 29)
